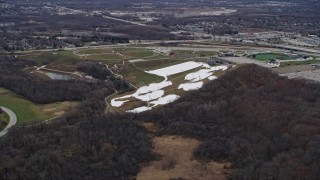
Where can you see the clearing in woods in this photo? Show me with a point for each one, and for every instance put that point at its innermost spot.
(176, 161)
(29, 112)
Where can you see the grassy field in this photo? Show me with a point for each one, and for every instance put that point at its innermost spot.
(157, 64)
(116, 54)
(28, 111)
(195, 53)
(269, 56)
(175, 153)
(58, 57)
(138, 77)
(295, 63)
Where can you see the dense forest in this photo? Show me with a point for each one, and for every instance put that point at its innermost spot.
(267, 126)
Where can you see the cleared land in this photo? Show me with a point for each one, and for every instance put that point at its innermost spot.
(293, 69)
(57, 57)
(29, 112)
(312, 75)
(297, 63)
(138, 77)
(194, 53)
(156, 64)
(114, 54)
(176, 161)
(154, 94)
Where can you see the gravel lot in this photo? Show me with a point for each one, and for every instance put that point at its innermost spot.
(312, 75)
(242, 60)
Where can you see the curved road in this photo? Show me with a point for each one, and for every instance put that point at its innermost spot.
(12, 122)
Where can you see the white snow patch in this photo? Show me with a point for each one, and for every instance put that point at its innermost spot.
(217, 68)
(150, 96)
(139, 109)
(116, 103)
(144, 93)
(206, 65)
(165, 100)
(191, 86)
(212, 78)
(175, 69)
(153, 87)
(199, 75)
(153, 91)
(204, 73)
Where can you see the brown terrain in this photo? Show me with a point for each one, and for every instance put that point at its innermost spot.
(176, 161)
(293, 69)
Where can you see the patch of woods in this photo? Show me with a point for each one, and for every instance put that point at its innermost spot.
(101, 72)
(39, 90)
(265, 125)
(76, 147)
(84, 144)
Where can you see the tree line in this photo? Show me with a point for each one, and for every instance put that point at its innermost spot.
(39, 90)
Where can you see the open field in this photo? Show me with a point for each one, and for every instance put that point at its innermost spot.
(311, 75)
(156, 64)
(114, 54)
(195, 53)
(28, 112)
(139, 77)
(176, 161)
(57, 57)
(296, 63)
(269, 56)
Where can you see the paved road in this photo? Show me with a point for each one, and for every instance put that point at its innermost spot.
(12, 122)
(122, 20)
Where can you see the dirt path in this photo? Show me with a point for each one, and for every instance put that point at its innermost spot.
(107, 100)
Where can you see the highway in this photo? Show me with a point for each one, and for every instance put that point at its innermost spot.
(12, 122)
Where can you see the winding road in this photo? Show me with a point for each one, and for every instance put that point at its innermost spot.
(12, 122)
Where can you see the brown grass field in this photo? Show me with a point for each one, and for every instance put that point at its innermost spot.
(177, 161)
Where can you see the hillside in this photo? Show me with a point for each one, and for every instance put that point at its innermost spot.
(265, 126)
